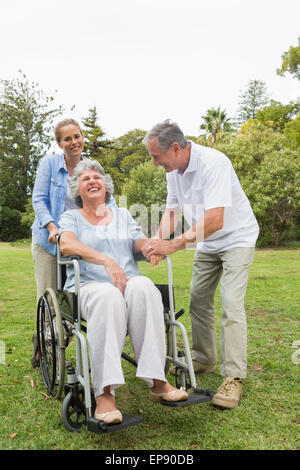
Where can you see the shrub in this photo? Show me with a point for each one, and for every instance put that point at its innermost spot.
(11, 227)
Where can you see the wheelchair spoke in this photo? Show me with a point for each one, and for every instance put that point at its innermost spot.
(73, 411)
(47, 345)
(51, 343)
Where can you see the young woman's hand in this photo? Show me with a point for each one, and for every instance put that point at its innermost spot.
(53, 231)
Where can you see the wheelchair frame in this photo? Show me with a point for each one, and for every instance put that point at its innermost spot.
(55, 326)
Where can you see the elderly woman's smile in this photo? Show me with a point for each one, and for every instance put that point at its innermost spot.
(91, 182)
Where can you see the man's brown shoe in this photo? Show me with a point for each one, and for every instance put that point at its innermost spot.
(229, 393)
(198, 368)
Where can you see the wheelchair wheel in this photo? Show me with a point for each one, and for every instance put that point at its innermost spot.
(74, 411)
(51, 343)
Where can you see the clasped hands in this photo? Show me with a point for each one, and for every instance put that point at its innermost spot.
(157, 249)
(154, 250)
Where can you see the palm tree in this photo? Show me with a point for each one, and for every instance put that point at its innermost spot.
(215, 121)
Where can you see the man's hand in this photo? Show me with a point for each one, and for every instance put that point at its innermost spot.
(213, 221)
(159, 247)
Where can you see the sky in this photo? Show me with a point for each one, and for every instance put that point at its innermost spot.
(142, 61)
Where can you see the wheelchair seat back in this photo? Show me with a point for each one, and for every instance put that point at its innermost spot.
(164, 290)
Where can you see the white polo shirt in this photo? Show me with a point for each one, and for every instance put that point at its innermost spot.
(209, 182)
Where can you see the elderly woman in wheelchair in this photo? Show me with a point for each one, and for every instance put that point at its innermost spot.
(115, 298)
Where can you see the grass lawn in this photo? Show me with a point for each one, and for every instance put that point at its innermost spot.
(269, 414)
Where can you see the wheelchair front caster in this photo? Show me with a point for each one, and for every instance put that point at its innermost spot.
(73, 411)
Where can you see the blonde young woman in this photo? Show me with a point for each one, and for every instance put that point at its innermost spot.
(115, 298)
(50, 198)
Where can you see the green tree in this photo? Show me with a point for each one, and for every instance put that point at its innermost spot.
(94, 142)
(277, 115)
(99, 148)
(248, 148)
(25, 136)
(130, 152)
(27, 217)
(292, 132)
(146, 184)
(291, 62)
(146, 192)
(267, 170)
(11, 226)
(275, 193)
(252, 99)
(216, 123)
(133, 161)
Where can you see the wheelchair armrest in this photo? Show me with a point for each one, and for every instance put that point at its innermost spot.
(63, 258)
(73, 257)
(139, 257)
(66, 260)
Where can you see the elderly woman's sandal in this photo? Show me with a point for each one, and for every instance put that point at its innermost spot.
(110, 417)
(173, 395)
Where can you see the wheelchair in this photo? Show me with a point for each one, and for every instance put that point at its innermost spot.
(59, 320)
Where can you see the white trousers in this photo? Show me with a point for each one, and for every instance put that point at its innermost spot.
(110, 316)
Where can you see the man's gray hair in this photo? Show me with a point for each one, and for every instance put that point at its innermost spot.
(80, 168)
(166, 133)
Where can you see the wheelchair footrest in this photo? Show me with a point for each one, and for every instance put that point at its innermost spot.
(99, 427)
(198, 396)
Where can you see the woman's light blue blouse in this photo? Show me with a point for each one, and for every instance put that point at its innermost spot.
(48, 198)
(115, 240)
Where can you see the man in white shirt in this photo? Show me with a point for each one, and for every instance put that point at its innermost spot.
(202, 184)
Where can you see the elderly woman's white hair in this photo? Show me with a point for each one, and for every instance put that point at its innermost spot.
(80, 168)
